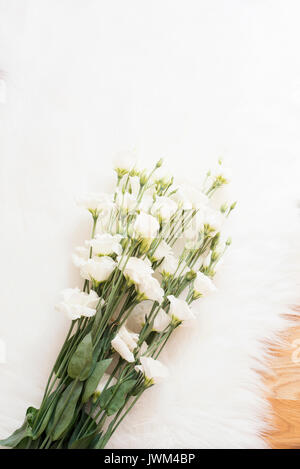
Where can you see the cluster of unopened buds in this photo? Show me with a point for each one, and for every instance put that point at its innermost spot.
(154, 248)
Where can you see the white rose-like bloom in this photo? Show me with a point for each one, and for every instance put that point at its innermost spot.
(161, 321)
(103, 381)
(126, 202)
(124, 343)
(203, 284)
(223, 172)
(214, 219)
(98, 202)
(164, 208)
(146, 226)
(169, 265)
(162, 175)
(162, 250)
(77, 303)
(125, 161)
(98, 268)
(179, 309)
(130, 338)
(136, 269)
(147, 200)
(106, 244)
(181, 199)
(137, 318)
(189, 197)
(153, 370)
(150, 288)
(80, 256)
(122, 349)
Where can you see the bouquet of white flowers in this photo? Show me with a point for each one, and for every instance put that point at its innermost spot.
(153, 251)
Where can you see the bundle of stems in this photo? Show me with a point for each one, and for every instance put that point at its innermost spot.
(153, 251)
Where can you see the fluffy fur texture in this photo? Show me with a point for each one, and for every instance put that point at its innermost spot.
(83, 80)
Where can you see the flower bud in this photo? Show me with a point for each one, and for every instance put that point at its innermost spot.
(228, 242)
(215, 241)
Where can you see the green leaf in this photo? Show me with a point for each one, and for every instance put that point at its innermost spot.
(51, 402)
(106, 395)
(13, 440)
(94, 443)
(82, 419)
(21, 437)
(65, 409)
(84, 442)
(113, 398)
(93, 381)
(25, 443)
(101, 441)
(81, 361)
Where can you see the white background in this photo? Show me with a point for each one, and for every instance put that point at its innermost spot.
(187, 80)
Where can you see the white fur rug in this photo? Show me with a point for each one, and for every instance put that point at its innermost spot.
(187, 80)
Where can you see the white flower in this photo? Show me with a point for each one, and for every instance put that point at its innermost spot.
(203, 284)
(222, 172)
(214, 219)
(141, 312)
(164, 208)
(150, 289)
(98, 268)
(136, 269)
(106, 244)
(77, 303)
(125, 162)
(137, 317)
(146, 226)
(80, 256)
(103, 381)
(179, 309)
(188, 197)
(125, 201)
(153, 370)
(169, 265)
(162, 250)
(161, 321)
(147, 200)
(124, 343)
(162, 175)
(121, 348)
(96, 202)
(130, 338)
(181, 199)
